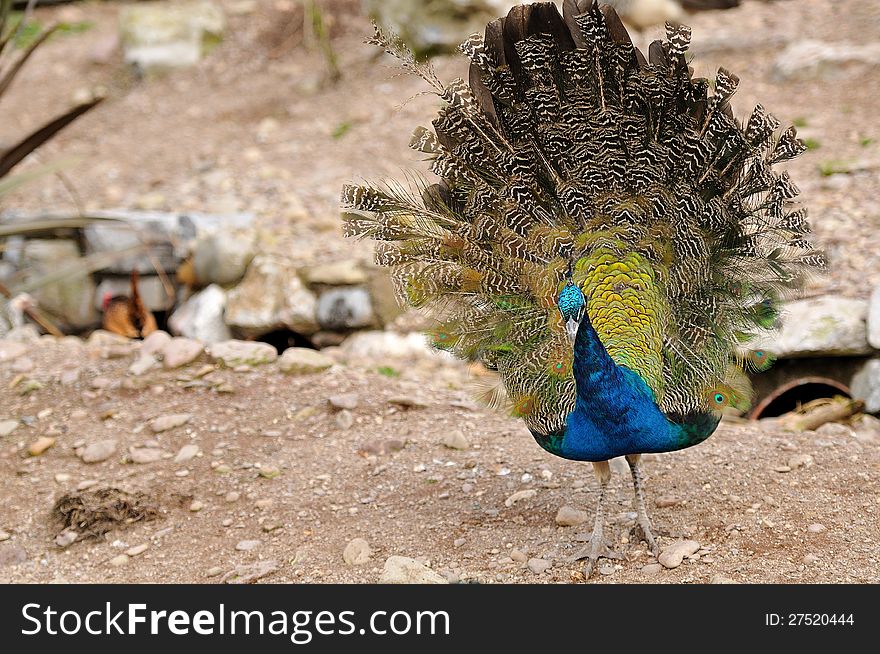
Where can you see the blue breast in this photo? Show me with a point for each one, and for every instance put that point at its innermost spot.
(616, 413)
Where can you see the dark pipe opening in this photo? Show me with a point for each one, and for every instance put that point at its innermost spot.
(282, 339)
(794, 394)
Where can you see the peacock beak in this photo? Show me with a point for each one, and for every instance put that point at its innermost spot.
(571, 328)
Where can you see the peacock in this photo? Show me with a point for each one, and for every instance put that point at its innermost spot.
(605, 235)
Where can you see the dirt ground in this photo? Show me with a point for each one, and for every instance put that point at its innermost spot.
(255, 127)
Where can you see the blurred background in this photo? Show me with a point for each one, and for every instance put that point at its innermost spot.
(175, 166)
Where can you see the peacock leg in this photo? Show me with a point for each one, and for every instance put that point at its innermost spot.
(597, 546)
(642, 529)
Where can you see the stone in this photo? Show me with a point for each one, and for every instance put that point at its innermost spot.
(223, 258)
(186, 453)
(119, 560)
(873, 319)
(271, 297)
(237, 353)
(672, 555)
(379, 345)
(865, 385)
(652, 568)
(179, 352)
(436, 26)
(196, 506)
(303, 361)
(7, 427)
(519, 496)
(816, 528)
(170, 421)
(150, 289)
(165, 35)
(66, 538)
(539, 566)
(40, 445)
(568, 516)
(356, 552)
(247, 545)
(144, 455)
(812, 59)
(338, 273)
(455, 440)
(137, 549)
(10, 350)
(68, 300)
(143, 364)
(202, 317)
(823, 326)
(345, 308)
(809, 559)
(404, 570)
(666, 501)
(4, 535)
(130, 230)
(99, 451)
(344, 401)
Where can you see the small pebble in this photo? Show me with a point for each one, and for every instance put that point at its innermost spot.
(232, 496)
(568, 516)
(539, 566)
(672, 556)
(118, 561)
(247, 545)
(357, 552)
(40, 445)
(137, 549)
(344, 419)
(816, 528)
(196, 506)
(213, 572)
(652, 568)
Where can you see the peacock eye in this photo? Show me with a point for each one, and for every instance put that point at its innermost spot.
(760, 354)
(719, 398)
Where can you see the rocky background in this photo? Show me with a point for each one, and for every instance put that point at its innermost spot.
(242, 452)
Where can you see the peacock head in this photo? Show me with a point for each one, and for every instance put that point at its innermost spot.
(571, 303)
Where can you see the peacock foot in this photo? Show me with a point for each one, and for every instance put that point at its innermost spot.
(597, 548)
(642, 531)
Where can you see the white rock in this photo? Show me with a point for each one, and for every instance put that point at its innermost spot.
(344, 308)
(202, 316)
(520, 496)
(144, 454)
(100, 451)
(7, 427)
(270, 297)
(568, 516)
(186, 453)
(382, 345)
(539, 566)
(865, 385)
(338, 273)
(873, 321)
(672, 555)
(404, 570)
(823, 326)
(170, 421)
(167, 35)
(181, 352)
(242, 353)
(809, 58)
(303, 361)
(356, 552)
(10, 349)
(455, 440)
(223, 257)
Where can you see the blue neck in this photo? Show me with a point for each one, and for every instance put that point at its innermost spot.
(615, 412)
